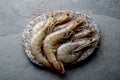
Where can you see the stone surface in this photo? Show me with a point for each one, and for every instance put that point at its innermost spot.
(104, 64)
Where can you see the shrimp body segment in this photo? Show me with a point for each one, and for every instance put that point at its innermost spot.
(37, 28)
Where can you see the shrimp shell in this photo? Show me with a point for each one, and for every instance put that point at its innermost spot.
(36, 45)
(37, 28)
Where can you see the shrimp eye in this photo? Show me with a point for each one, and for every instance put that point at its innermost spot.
(90, 39)
(52, 16)
(78, 21)
(68, 14)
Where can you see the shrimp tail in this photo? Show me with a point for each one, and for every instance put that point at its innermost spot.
(59, 67)
(48, 64)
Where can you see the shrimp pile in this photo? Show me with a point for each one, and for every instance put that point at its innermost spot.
(61, 39)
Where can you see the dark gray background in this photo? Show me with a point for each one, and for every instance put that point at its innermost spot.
(104, 64)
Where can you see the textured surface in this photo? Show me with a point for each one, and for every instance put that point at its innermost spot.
(104, 64)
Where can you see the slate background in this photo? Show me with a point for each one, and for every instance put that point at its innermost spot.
(104, 64)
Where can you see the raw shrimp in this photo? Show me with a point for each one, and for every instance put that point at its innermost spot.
(84, 33)
(71, 52)
(52, 39)
(37, 40)
(64, 25)
(60, 19)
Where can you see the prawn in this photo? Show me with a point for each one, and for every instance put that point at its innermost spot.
(64, 25)
(37, 40)
(70, 52)
(50, 42)
(60, 19)
(84, 33)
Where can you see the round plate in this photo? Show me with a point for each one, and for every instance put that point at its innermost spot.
(28, 30)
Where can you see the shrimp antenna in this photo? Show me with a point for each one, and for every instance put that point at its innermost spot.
(61, 4)
(45, 4)
(105, 34)
(39, 8)
(16, 12)
(95, 46)
(80, 47)
(42, 8)
(78, 5)
(51, 10)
